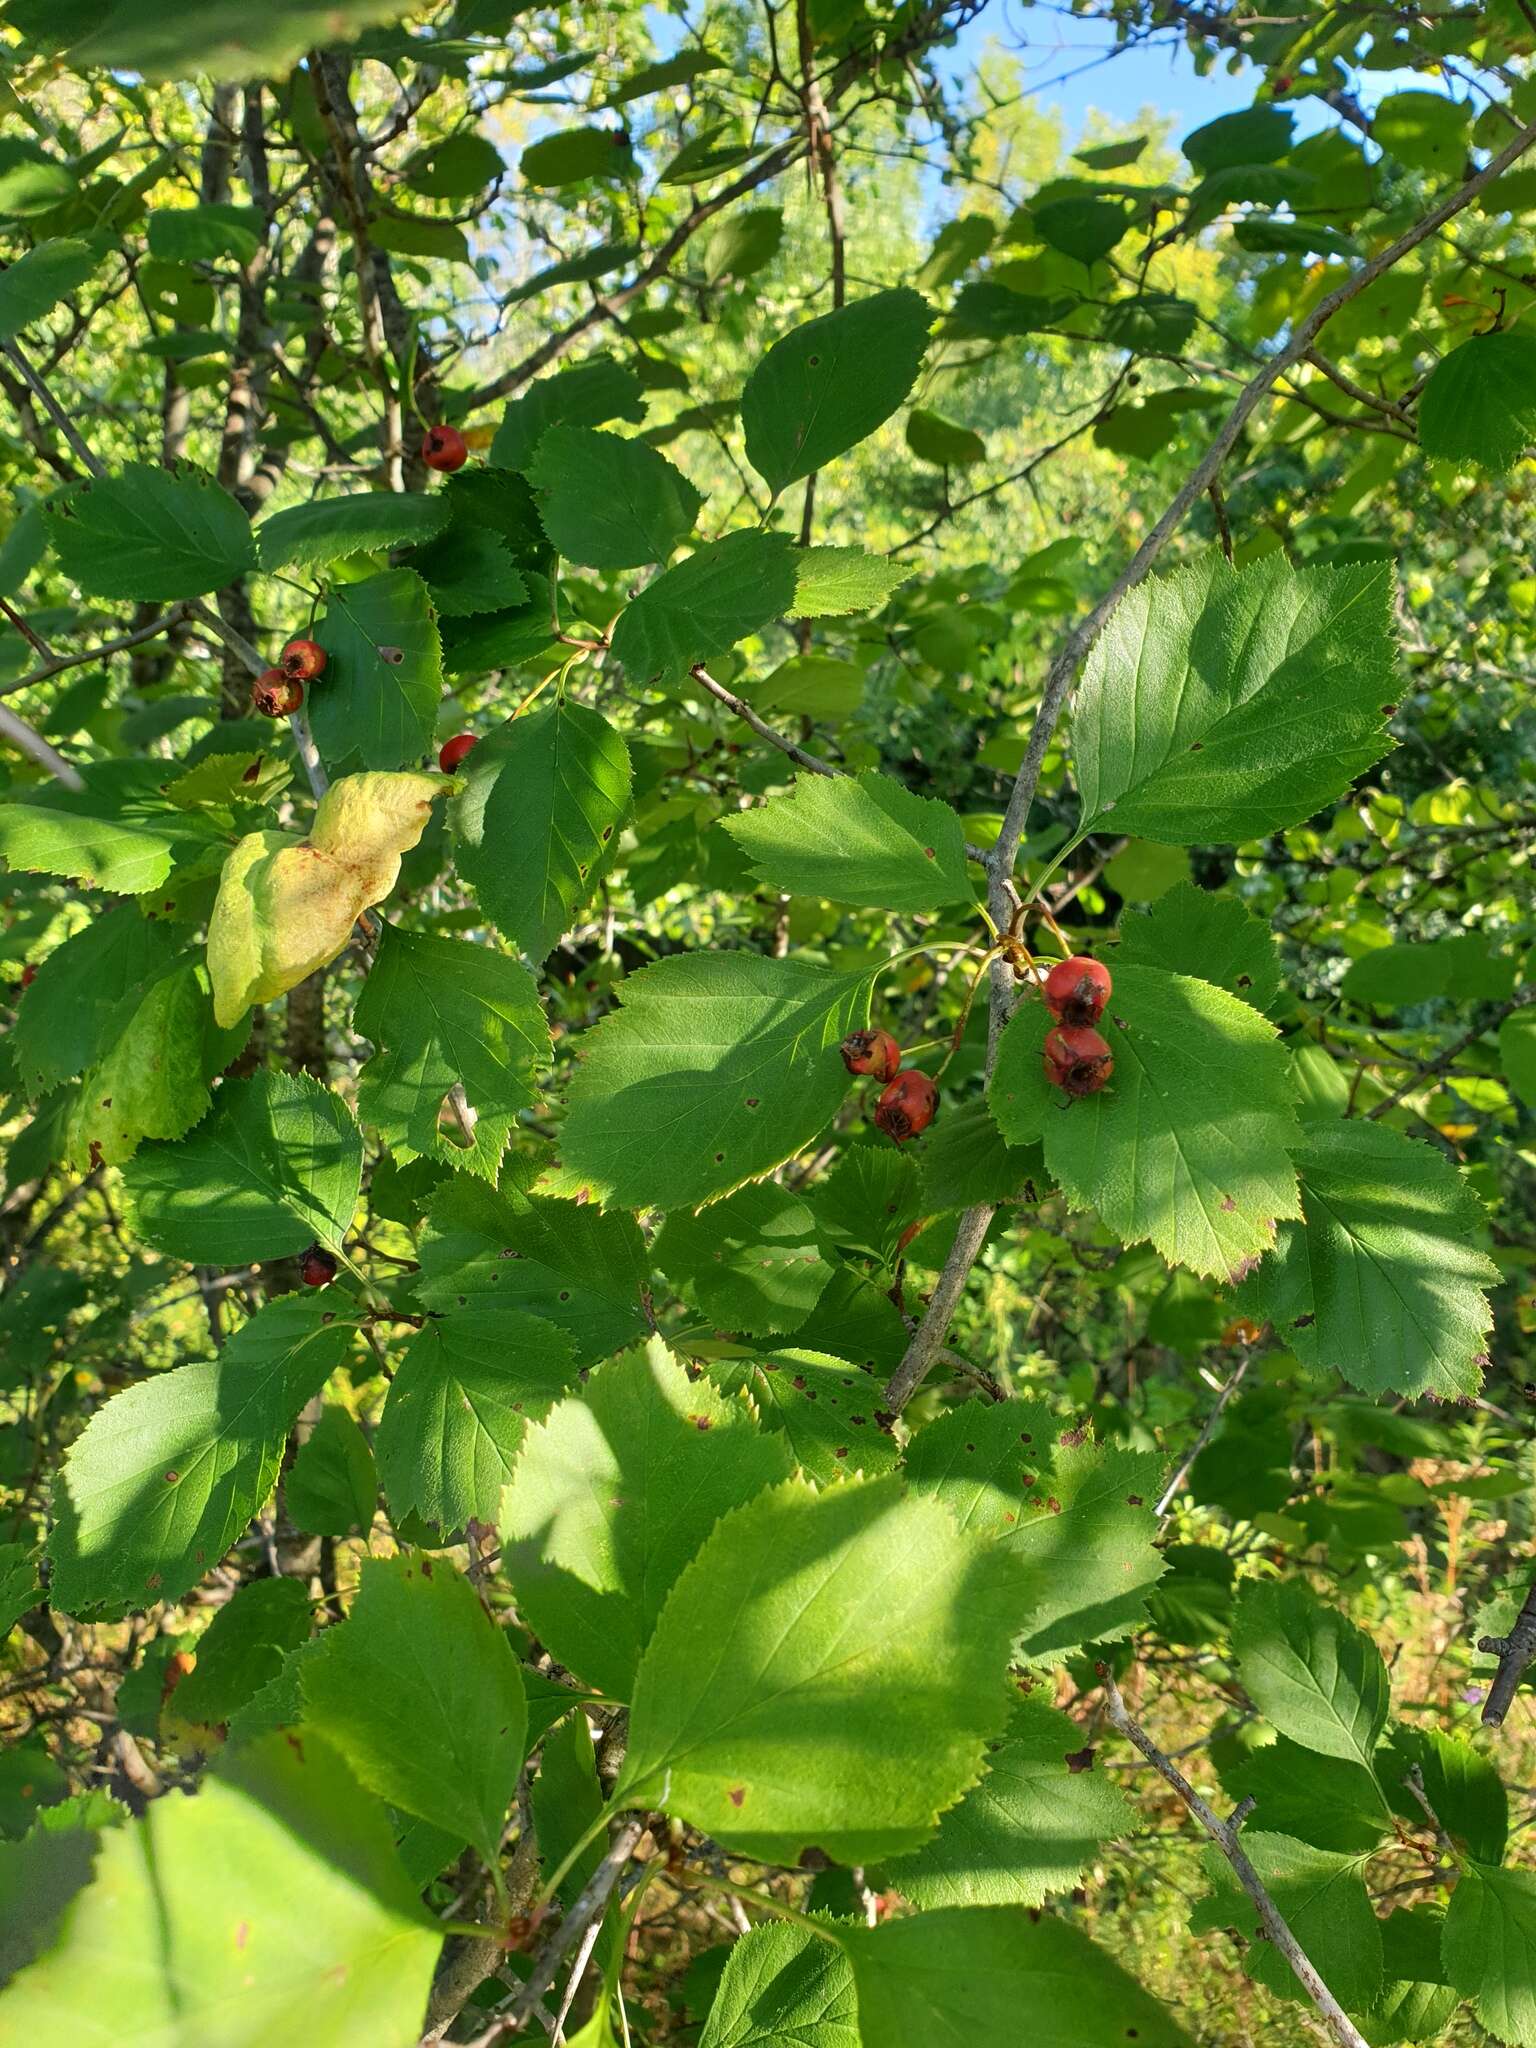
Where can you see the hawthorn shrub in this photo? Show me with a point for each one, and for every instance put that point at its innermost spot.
(770, 1037)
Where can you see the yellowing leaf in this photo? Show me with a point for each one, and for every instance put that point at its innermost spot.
(286, 905)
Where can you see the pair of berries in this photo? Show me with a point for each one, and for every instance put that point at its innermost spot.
(444, 448)
(909, 1098)
(279, 691)
(1077, 1059)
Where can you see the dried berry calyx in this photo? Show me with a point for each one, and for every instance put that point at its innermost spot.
(1077, 1059)
(1076, 990)
(276, 695)
(317, 1268)
(871, 1052)
(906, 1105)
(454, 751)
(444, 448)
(304, 659)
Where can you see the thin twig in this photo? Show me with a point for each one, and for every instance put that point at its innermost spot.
(27, 740)
(1515, 1653)
(1208, 1430)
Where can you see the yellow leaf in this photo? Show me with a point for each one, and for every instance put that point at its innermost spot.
(287, 905)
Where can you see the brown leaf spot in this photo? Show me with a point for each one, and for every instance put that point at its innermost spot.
(736, 1794)
(1079, 1760)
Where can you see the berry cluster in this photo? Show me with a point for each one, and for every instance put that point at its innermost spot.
(1077, 1059)
(279, 691)
(908, 1099)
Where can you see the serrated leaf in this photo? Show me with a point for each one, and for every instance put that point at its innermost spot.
(573, 154)
(614, 1492)
(167, 1474)
(376, 704)
(1027, 1830)
(150, 533)
(330, 529)
(1321, 1895)
(699, 609)
(1190, 930)
(242, 1649)
(609, 502)
(39, 278)
(467, 1388)
(717, 1068)
(963, 1977)
(331, 1488)
(218, 37)
(469, 572)
(826, 1410)
(1255, 135)
(782, 1985)
(420, 1692)
(274, 1166)
(830, 383)
(1152, 323)
(1223, 704)
(152, 1079)
(1384, 1280)
(271, 1906)
(832, 582)
(443, 1011)
(1517, 1053)
(861, 840)
(867, 1200)
(1310, 1671)
(542, 801)
(1489, 1947)
(584, 1270)
(745, 241)
(965, 1159)
(1462, 1785)
(749, 1263)
(19, 1587)
(65, 1021)
(587, 396)
(1330, 1801)
(1084, 229)
(1480, 402)
(1188, 1143)
(118, 834)
(942, 442)
(1417, 2002)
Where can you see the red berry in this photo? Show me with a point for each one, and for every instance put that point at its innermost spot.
(444, 448)
(1077, 1059)
(871, 1052)
(1076, 990)
(906, 1105)
(317, 1268)
(304, 659)
(275, 695)
(454, 751)
(29, 974)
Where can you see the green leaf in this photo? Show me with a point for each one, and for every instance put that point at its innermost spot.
(939, 441)
(123, 856)
(1311, 1672)
(330, 529)
(587, 396)
(444, 1011)
(829, 384)
(1188, 1143)
(458, 167)
(827, 1670)
(831, 582)
(36, 282)
(152, 1080)
(442, 240)
(957, 245)
(1383, 1282)
(1460, 1783)
(585, 268)
(743, 243)
(966, 1160)
(1257, 135)
(1416, 2002)
(614, 1492)
(608, 502)
(1425, 130)
(149, 533)
(1517, 1053)
(1480, 402)
(1223, 704)
(19, 1587)
(1489, 1946)
(966, 1977)
(1039, 1815)
(1151, 323)
(1085, 229)
(826, 1410)
(681, 69)
(716, 1069)
(1197, 931)
(586, 1271)
(205, 233)
(699, 609)
(992, 311)
(419, 1690)
(166, 1475)
(467, 1388)
(376, 704)
(749, 1263)
(273, 1167)
(467, 572)
(331, 1488)
(572, 154)
(221, 38)
(243, 1649)
(1321, 1895)
(782, 1986)
(67, 1019)
(537, 819)
(863, 840)
(1330, 1801)
(815, 686)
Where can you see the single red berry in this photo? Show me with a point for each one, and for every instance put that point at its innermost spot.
(29, 974)
(871, 1052)
(444, 448)
(454, 750)
(304, 659)
(906, 1105)
(1077, 1059)
(1076, 990)
(275, 695)
(317, 1268)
